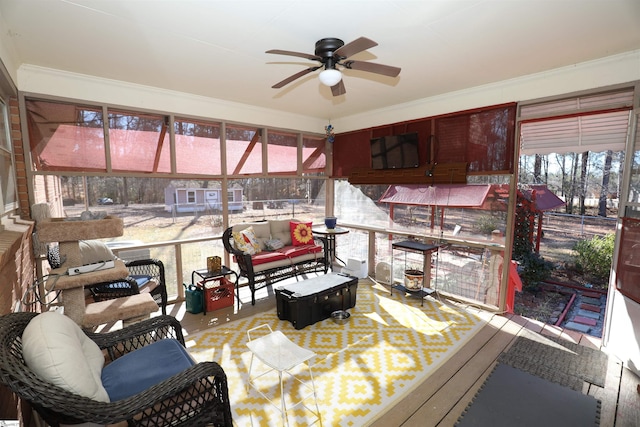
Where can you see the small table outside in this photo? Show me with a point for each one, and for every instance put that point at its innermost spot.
(330, 234)
(416, 247)
(207, 275)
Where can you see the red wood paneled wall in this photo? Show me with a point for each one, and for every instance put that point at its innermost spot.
(484, 138)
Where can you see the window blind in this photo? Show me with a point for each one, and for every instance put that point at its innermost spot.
(589, 123)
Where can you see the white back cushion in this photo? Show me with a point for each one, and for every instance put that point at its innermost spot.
(280, 230)
(94, 251)
(56, 349)
(260, 229)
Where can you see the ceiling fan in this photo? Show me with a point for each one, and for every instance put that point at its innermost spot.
(331, 52)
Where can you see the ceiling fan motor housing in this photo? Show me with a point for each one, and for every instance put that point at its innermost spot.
(325, 49)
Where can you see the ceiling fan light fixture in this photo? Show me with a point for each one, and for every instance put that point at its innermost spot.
(330, 52)
(330, 77)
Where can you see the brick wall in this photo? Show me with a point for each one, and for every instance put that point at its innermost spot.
(17, 264)
(17, 273)
(18, 152)
(46, 189)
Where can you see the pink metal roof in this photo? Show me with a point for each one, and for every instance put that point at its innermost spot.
(465, 195)
(82, 148)
(452, 195)
(545, 198)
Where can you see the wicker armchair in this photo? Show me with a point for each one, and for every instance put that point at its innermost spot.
(145, 275)
(197, 396)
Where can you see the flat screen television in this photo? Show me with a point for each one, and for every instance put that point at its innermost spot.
(395, 151)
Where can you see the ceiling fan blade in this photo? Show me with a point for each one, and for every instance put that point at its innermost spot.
(371, 67)
(338, 89)
(356, 46)
(294, 77)
(299, 54)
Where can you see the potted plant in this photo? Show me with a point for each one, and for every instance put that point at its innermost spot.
(413, 279)
(330, 222)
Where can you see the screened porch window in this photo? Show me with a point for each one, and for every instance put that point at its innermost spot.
(66, 136)
(197, 147)
(282, 153)
(244, 151)
(628, 268)
(139, 142)
(634, 182)
(7, 172)
(314, 157)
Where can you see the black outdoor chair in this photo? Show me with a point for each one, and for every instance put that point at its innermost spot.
(197, 396)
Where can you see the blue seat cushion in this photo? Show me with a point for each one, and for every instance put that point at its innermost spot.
(137, 371)
(141, 279)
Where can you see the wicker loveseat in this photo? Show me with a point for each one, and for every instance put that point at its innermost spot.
(270, 265)
(195, 396)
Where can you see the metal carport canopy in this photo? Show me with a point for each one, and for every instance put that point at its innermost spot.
(452, 195)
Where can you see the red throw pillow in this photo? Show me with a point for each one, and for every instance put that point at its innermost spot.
(301, 233)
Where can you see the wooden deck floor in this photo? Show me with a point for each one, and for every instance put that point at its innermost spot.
(441, 399)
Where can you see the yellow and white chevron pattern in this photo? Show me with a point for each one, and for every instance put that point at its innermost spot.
(389, 346)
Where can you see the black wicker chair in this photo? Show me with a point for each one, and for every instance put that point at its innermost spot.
(197, 396)
(145, 275)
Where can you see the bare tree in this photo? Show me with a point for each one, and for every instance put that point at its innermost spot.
(604, 191)
(620, 172)
(583, 181)
(522, 168)
(537, 169)
(572, 185)
(125, 191)
(561, 160)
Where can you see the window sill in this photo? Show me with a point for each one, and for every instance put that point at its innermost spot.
(12, 232)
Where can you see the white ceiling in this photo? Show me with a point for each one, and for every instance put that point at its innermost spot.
(216, 48)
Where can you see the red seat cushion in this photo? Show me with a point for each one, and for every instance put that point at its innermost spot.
(267, 256)
(295, 251)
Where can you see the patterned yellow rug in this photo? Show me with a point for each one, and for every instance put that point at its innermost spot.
(389, 346)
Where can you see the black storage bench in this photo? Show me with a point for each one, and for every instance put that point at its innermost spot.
(307, 302)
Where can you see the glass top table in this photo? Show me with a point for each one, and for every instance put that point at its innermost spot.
(330, 236)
